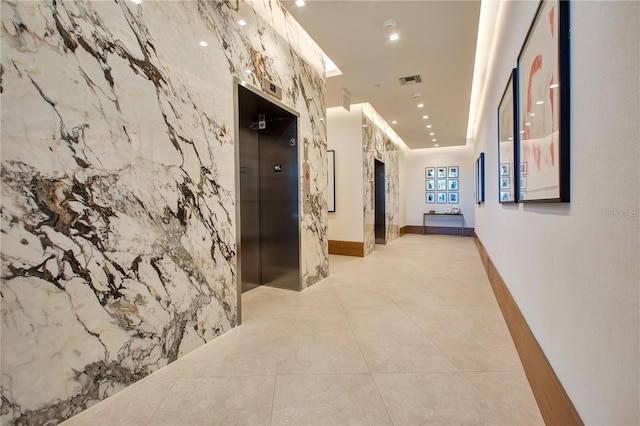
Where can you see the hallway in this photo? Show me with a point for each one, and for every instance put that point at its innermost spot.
(411, 334)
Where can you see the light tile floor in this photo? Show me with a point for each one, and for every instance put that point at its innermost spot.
(409, 335)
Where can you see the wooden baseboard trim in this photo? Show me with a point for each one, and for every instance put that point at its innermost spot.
(346, 248)
(553, 401)
(441, 230)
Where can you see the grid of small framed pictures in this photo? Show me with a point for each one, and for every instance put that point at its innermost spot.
(442, 185)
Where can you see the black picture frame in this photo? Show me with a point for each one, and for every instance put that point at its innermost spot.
(331, 184)
(480, 179)
(543, 105)
(507, 140)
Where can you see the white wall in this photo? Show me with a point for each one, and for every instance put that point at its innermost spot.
(573, 269)
(416, 162)
(344, 135)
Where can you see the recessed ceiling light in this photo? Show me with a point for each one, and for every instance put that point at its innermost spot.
(429, 126)
(553, 86)
(389, 23)
(242, 22)
(433, 140)
(527, 124)
(532, 114)
(248, 71)
(394, 121)
(136, 1)
(364, 125)
(521, 132)
(420, 105)
(394, 37)
(539, 102)
(203, 43)
(436, 145)
(424, 117)
(431, 134)
(300, 3)
(510, 139)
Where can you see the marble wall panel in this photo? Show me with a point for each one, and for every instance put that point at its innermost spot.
(369, 145)
(118, 197)
(392, 189)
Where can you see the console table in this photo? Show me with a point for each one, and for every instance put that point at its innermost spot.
(460, 215)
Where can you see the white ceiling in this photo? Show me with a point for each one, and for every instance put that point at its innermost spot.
(437, 41)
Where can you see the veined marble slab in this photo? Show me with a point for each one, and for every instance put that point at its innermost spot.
(118, 198)
(380, 142)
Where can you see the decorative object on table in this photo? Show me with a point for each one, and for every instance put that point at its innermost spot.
(447, 210)
(543, 105)
(507, 137)
(480, 179)
(331, 175)
(432, 212)
(455, 209)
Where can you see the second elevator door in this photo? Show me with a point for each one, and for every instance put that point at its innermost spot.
(269, 249)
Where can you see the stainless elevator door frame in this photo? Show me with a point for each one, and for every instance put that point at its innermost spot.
(236, 83)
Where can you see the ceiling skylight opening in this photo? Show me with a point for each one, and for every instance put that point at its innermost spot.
(300, 3)
(242, 22)
(331, 69)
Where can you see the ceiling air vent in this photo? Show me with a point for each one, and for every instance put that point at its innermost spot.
(412, 79)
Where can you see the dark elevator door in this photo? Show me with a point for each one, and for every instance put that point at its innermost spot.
(380, 208)
(268, 161)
